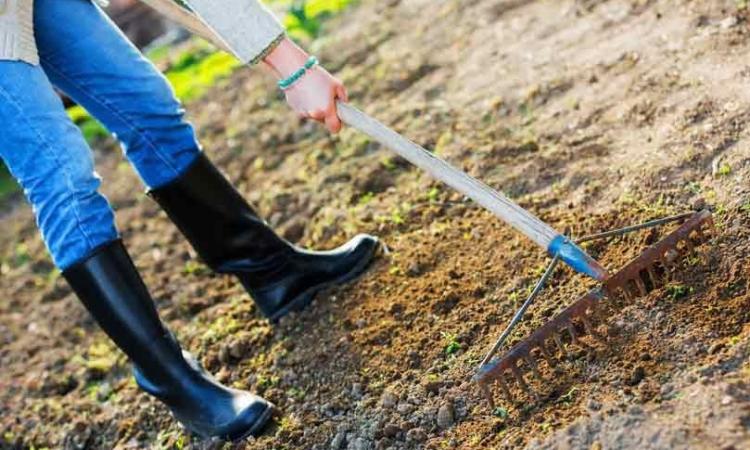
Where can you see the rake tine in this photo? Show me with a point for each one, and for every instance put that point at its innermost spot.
(546, 355)
(560, 345)
(666, 264)
(504, 387)
(572, 332)
(519, 378)
(534, 369)
(641, 286)
(487, 392)
(590, 329)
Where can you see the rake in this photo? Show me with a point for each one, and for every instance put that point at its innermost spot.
(577, 321)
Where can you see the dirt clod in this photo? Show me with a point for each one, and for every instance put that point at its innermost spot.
(445, 417)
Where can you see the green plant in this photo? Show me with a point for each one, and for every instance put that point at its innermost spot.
(304, 17)
(678, 291)
(432, 195)
(196, 71)
(452, 345)
(365, 199)
(569, 396)
(693, 187)
(500, 412)
(724, 170)
(195, 268)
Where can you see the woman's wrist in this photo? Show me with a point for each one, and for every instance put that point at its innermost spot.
(286, 58)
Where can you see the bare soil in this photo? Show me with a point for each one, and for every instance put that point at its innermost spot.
(592, 114)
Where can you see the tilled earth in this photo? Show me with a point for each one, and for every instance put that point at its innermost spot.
(592, 114)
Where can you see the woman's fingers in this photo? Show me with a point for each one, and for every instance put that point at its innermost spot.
(341, 93)
(318, 114)
(333, 123)
(329, 116)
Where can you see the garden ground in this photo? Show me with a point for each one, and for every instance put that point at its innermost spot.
(592, 114)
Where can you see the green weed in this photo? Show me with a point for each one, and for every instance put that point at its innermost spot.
(452, 345)
(569, 396)
(678, 291)
(432, 195)
(195, 73)
(305, 18)
(693, 187)
(500, 412)
(365, 199)
(724, 170)
(195, 268)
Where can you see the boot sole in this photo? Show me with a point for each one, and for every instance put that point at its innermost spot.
(303, 300)
(259, 425)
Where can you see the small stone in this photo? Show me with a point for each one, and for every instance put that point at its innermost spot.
(104, 392)
(388, 400)
(729, 22)
(432, 386)
(727, 399)
(593, 405)
(224, 375)
(416, 435)
(596, 445)
(715, 348)
(237, 349)
(224, 356)
(405, 408)
(338, 441)
(445, 417)
(360, 444)
(639, 373)
(391, 430)
(414, 270)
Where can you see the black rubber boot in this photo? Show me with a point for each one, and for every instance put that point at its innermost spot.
(110, 287)
(231, 238)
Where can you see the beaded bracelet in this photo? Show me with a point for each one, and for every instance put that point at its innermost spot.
(286, 83)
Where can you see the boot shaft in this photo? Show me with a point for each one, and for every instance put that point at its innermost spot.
(109, 286)
(214, 217)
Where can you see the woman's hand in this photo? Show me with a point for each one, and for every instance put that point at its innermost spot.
(312, 96)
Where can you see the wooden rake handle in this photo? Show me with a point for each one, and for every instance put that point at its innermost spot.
(497, 203)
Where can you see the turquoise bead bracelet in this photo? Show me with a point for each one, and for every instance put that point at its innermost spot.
(286, 83)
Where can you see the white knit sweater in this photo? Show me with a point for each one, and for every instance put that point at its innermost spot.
(258, 28)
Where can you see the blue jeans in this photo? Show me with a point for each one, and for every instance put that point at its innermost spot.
(84, 55)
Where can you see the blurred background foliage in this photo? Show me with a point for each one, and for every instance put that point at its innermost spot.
(193, 66)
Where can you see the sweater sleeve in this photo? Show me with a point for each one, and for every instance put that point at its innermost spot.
(247, 26)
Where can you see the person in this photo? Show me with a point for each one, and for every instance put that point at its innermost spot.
(73, 46)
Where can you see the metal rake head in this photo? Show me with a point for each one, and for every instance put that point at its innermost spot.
(576, 324)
